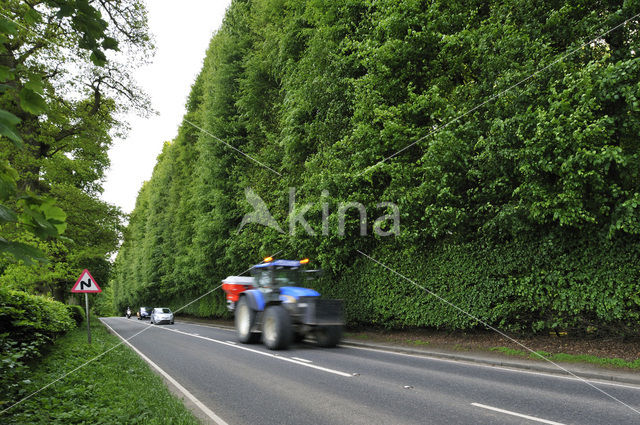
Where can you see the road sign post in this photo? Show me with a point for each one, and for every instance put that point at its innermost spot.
(86, 284)
(86, 304)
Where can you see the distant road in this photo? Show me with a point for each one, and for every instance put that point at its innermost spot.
(248, 384)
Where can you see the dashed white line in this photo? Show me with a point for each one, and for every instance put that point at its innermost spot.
(520, 415)
(470, 363)
(489, 366)
(224, 328)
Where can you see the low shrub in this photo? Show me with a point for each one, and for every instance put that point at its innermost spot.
(77, 313)
(24, 316)
(28, 323)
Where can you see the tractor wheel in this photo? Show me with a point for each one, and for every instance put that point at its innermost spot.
(328, 336)
(276, 329)
(245, 319)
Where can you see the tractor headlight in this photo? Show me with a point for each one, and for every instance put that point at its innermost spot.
(288, 299)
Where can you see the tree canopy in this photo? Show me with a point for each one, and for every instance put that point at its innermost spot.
(65, 69)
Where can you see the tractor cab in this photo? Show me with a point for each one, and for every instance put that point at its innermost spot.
(273, 275)
(282, 280)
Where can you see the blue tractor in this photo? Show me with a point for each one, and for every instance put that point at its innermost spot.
(272, 304)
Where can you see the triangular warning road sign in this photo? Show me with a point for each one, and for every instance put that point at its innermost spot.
(86, 283)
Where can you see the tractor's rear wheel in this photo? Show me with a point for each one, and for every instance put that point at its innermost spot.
(276, 329)
(328, 336)
(245, 319)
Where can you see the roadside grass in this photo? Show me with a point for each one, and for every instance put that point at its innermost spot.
(117, 388)
(417, 342)
(571, 358)
(355, 335)
(409, 341)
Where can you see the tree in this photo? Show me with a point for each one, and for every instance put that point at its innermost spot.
(64, 77)
(66, 73)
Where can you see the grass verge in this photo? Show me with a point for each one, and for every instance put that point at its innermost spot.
(571, 358)
(118, 388)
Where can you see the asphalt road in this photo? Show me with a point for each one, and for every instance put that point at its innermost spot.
(248, 384)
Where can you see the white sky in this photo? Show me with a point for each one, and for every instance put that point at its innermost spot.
(182, 32)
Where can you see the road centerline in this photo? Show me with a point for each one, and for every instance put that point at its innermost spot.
(520, 415)
(272, 355)
(513, 369)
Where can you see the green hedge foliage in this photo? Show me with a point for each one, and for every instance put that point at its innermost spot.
(103, 304)
(556, 283)
(77, 313)
(28, 324)
(523, 212)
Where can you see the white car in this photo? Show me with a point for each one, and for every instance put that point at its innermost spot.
(161, 315)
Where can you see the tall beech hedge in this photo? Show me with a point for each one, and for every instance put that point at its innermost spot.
(523, 208)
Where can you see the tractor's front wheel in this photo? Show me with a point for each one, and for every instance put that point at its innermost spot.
(245, 319)
(276, 329)
(328, 336)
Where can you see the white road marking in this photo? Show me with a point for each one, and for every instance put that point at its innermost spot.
(471, 363)
(217, 419)
(231, 342)
(505, 368)
(303, 360)
(520, 415)
(274, 356)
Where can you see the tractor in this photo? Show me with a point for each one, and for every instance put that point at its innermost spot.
(272, 304)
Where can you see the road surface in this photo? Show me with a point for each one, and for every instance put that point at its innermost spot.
(248, 384)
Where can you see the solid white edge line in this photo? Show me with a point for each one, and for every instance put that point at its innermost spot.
(505, 368)
(520, 415)
(302, 360)
(217, 419)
